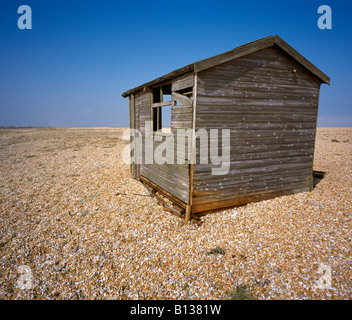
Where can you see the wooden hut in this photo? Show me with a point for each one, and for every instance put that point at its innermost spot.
(265, 93)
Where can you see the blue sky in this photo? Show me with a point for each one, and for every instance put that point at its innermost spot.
(72, 67)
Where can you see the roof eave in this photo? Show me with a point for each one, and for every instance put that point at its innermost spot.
(163, 78)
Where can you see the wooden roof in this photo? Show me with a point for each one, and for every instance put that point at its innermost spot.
(271, 41)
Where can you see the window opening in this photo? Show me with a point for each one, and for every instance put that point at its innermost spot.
(161, 108)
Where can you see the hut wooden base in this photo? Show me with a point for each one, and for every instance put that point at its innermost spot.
(193, 213)
(178, 208)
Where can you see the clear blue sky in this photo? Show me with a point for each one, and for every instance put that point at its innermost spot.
(72, 67)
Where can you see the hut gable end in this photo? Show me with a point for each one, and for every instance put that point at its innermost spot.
(270, 104)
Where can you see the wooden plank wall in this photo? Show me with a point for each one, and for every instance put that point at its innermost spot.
(272, 112)
(174, 178)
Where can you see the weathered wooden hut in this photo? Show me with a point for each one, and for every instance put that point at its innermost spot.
(265, 93)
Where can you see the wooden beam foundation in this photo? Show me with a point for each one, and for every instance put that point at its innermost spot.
(178, 208)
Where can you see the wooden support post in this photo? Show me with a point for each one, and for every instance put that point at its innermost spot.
(188, 213)
(193, 155)
(159, 111)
